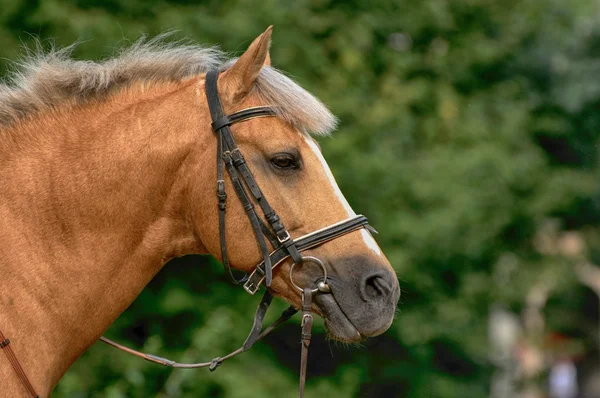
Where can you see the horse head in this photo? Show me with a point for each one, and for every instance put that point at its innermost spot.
(288, 166)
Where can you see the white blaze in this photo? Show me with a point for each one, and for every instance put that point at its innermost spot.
(367, 238)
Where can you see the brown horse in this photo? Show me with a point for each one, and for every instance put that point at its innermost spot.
(107, 172)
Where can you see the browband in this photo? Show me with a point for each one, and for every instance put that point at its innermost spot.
(244, 114)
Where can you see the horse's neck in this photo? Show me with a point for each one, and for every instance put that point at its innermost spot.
(88, 214)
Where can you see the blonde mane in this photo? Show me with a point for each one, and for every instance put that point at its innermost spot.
(43, 80)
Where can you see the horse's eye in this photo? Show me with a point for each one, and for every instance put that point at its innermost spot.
(284, 161)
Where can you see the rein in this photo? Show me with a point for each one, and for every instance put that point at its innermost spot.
(230, 158)
(14, 362)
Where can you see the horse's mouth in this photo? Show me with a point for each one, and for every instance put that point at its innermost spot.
(337, 323)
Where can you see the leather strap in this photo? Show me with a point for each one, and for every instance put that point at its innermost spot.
(248, 113)
(247, 205)
(252, 338)
(14, 362)
(229, 153)
(235, 161)
(306, 242)
(259, 317)
(307, 321)
(269, 234)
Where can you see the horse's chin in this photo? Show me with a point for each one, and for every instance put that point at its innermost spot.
(337, 323)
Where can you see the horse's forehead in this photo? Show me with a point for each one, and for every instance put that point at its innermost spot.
(273, 131)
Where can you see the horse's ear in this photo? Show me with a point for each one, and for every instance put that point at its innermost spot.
(238, 80)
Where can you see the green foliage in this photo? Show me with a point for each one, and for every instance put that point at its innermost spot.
(465, 127)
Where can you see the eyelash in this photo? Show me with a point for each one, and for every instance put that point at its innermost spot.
(287, 161)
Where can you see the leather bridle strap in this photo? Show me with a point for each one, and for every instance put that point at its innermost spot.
(229, 153)
(307, 321)
(254, 336)
(306, 242)
(5, 346)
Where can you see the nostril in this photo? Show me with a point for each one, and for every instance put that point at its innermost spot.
(376, 286)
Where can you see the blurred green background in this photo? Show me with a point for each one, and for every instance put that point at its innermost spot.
(469, 136)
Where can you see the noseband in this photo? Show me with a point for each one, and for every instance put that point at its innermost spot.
(283, 245)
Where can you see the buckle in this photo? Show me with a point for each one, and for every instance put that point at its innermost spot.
(215, 363)
(251, 286)
(237, 157)
(254, 281)
(285, 238)
(220, 185)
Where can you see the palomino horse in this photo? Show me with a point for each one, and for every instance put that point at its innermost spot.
(107, 172)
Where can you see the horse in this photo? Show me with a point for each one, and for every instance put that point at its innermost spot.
(107, 172)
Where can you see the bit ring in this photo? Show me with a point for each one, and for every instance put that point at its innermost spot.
(322, 286)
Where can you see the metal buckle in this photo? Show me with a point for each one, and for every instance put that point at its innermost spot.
(221, 189)
(251, 287)
(304, 318)
(254, 281)
(285, 239)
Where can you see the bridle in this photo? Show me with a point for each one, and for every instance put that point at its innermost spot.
(230, 157)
